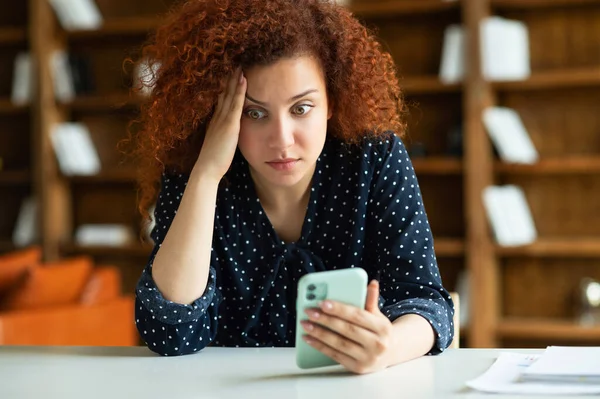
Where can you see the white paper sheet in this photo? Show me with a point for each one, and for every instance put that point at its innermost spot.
(504, 376)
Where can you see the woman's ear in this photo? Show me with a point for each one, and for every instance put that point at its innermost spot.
(329, 109)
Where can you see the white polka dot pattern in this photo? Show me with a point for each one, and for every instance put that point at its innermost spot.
(365, 210)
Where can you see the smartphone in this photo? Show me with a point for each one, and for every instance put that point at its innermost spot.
(348, 286)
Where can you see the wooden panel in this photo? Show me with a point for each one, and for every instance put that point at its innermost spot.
(567, 165)
(106, 56)
(15, 143)
(568, 246)
(561, 122)
(95, 204)
(561, 38)
(117, 9)
(414, 41)
(14, 13)
(443, 200)
(394, 8)
(544, 288)
(532, 332)
(431, 120)
(562, 206)
(538, 4)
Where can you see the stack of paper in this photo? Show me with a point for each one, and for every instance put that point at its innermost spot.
(558, 371)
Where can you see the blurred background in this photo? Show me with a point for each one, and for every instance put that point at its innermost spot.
(503, 130)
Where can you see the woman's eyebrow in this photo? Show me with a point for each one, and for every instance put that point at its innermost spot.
(296, 97)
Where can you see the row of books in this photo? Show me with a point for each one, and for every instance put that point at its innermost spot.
(504, 51)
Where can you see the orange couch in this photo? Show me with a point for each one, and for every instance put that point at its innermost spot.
(70, 302)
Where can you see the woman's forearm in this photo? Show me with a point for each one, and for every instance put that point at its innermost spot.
(413, 337)
(181, 266)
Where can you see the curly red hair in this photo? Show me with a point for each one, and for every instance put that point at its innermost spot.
(203, 41)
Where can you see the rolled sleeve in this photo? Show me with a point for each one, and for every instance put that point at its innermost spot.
(170, 328)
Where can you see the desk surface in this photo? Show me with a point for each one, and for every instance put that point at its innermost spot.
(135, 372)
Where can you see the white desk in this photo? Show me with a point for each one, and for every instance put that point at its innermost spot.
(107, 373)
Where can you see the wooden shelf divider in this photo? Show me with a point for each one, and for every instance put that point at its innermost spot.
(567, 247)
(391, 8)
(553, 166)
(538, 4)
(12, 35)
(553, 79)
(549, 330)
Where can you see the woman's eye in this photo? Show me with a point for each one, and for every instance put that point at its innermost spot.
(302, 109)
(255, 114)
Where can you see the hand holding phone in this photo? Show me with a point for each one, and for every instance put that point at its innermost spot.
(348, 286)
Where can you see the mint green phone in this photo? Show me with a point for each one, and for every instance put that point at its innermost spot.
(348, 286)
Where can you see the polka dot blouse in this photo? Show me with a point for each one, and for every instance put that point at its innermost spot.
(365, 210)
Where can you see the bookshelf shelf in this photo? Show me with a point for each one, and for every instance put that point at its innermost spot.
(550, 330)
(135, 250)
(553, 166)
(15, 177)
(8, 108)
(390, 8)
(108, 102)
(107, 177)
(449, 247)
(118, 27)
(555, 79)
(567, 247)
(9, 35)
(534, 4)
(437, 166)
(427, 85)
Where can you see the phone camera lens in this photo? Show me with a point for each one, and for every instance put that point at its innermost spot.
(310, 297)
(311, 287)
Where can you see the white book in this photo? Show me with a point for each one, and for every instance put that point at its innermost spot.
(570, 364)
(62, 76)
(504, 49)
(23, 80)
(452, 68)
(25, 230)
(75, 150)
(104, 234)
(77, 14)
(509, 215)
(509, 135)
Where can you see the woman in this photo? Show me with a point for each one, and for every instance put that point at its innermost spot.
(268, 141)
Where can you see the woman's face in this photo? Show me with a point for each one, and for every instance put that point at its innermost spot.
(284, 120)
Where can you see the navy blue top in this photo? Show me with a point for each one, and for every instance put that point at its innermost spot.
(365, 210)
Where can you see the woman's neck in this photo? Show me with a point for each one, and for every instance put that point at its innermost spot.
(282, 199)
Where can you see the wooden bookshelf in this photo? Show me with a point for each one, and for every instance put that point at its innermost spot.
(118, 176)
(535, 4)
(111, 101)
(449, 247)
(549, 330)
(391, 8)
(414, 85)
(573, 165)
(568, 247)
(8, 108)
(554, 79)
(15, 177)
(118, 27)
(12, 36)
(437, 166)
